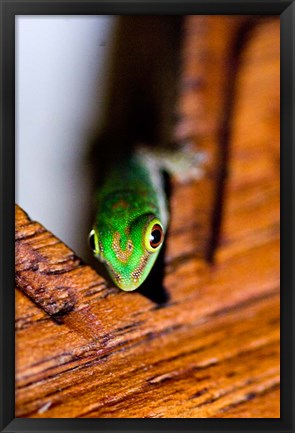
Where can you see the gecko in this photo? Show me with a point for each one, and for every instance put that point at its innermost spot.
(132, 214)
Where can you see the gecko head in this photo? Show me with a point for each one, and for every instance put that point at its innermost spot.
(128, 249)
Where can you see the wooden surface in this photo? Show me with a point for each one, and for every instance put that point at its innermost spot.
(86, 349)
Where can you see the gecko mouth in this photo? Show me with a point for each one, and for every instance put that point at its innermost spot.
(127, 284)
(133, 279)
(116, 277)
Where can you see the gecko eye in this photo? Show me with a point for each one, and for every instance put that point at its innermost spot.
(154, 236)
(93, 241)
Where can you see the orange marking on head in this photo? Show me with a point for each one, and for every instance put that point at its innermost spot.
(120, 203)
(123, 256)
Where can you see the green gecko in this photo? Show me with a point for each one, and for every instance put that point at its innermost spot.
(132, 213)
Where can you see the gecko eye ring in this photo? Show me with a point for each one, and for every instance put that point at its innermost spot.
(154, 236)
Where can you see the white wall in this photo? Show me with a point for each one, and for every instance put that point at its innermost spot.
(60, 78)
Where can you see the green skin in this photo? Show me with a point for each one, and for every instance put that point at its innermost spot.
(129, 204)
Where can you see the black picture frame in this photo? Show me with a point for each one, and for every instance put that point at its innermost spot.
(9, 9)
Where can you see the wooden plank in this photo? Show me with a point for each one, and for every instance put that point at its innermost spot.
(210, 346)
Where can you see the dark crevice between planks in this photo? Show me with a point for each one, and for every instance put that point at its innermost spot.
(238, 44)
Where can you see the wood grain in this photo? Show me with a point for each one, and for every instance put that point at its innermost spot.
(87, 349)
